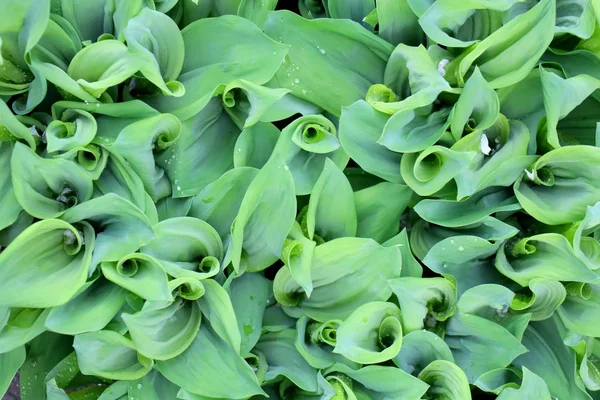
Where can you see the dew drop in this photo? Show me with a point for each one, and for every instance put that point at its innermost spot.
(460, 248)
(274, 53)
(179, 188)
(322, 51)
(304, 91)
(286, 168)
(296, 81)
(139, 386)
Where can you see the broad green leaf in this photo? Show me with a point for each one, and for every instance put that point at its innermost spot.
(408, 131)
(477, 107)
(508, 54)
(446, 380)
(331, 63)
(470, 337)
(419, 349)
(561, 185)
(153, 386)
(429, 171)
(548, 255)
(89, 311)
(203, 152)
(398, 23)
(11, 128)
(8, 201)
(46, 187)
(575, 17)
(379, 382)
(186, 247)
(144, 142)
(103, 64)
(378, 218)
(91, 158)
(551, 360)
(109, 355)
(9, 365)
(410, 266)
(21, 326)
(579, 308)
(355, 336)
(297, 254)
(284, 360)
(346, 273)
(411, 81)
(316, 341)
(355, 10)
(265, 217)
(255, 145)
(424, 301)
(211, 368)
(75, 128)
(331, 209)
(468, 211)
(304, 145)
(46, 265)
(499, 165)
(532, 387)
(256, 11)
(248, 103)
(562, 97)
(541, 298)
(219, 202)
(122, 228)
(249, 295)
(361, 127)
(140, 274)
(163, 329)
(217, 308)
(240, 51)
(156, 40)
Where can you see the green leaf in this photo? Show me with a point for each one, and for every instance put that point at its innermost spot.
(410, 266)
(156, 40)
(361, 127)
(240, 51)
(355, 10)
(541, 298)
(9, 365)
(103, 64)
(52, 271)
(532, 386)
(548, 255)
(186, 247)
(508, 54)
(265, 217)
(45, 187)
(446, 380)
(567, 176)
(255, 145)
(305, 145)
(331, 63)
(249, 294)
(76, 128)
(140, 274)
(411, 74)
(109, 355)
(355, 336)
(219, 202)
(331, 209)
(8, 201)
(20, 326)
(424, 301)
(346, 273)
(122, 228)
(419, 349)
(256, 11)
(429, 171)
(398, 23)
(378, 218)
(217, 308)
(284, 360)
(163, 329)
(203, 152)
(91, 310)
(153, 386)
(211, 368)
(551, 360)
(141, 143)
